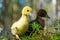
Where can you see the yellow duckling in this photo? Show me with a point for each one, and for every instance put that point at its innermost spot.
(21, 26)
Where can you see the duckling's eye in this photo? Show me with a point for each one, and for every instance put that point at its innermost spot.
(27, 10)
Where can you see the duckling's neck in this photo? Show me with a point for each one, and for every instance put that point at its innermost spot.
(23, 17)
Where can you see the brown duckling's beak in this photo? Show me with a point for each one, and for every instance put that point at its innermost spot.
(47, 17)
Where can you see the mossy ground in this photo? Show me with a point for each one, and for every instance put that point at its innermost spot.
(38, 34)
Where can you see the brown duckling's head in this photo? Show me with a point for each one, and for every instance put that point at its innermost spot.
(42, 13)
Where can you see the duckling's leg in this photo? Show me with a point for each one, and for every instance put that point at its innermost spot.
(17, 37)
(45, 26)
(45, 29)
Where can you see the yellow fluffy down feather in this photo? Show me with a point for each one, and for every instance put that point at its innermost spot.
(21, 26)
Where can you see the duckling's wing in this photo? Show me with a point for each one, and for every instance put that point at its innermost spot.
(14, 29)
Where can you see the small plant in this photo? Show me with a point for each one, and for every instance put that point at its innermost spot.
(36, 27)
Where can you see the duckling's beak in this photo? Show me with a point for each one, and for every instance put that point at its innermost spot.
(32, 15)
(47, 16)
